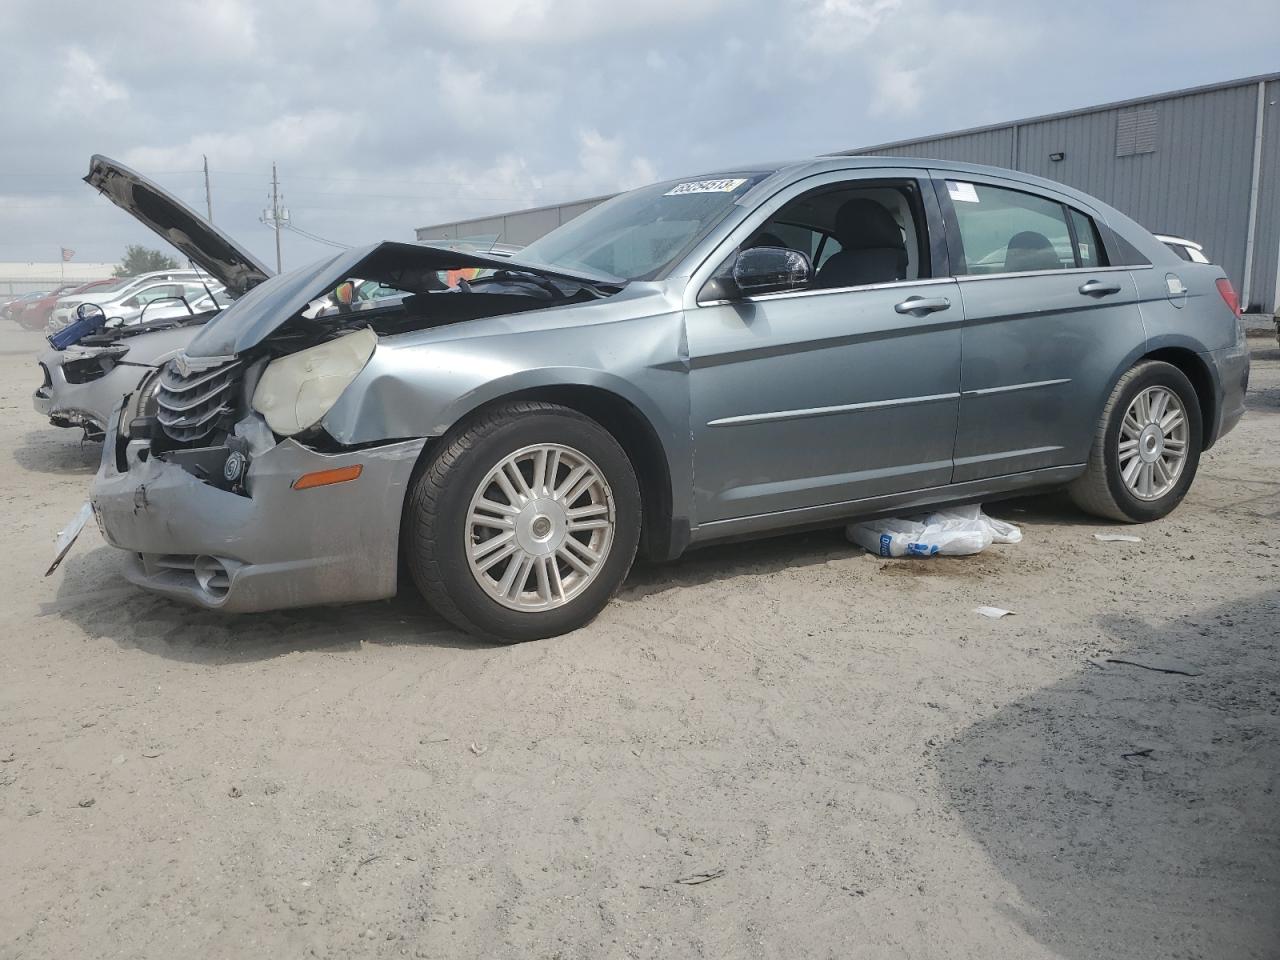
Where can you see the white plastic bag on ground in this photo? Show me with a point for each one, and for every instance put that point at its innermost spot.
(953, 532)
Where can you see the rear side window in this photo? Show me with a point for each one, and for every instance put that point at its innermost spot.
(1008, 231)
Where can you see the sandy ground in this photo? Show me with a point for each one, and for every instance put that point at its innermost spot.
(864, 766)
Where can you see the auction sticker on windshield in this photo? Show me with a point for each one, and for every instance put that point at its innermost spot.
(706, 186)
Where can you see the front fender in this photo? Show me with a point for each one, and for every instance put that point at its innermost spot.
(422, 389)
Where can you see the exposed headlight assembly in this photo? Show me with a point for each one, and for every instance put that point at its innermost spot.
(296, 391)
(142, 402)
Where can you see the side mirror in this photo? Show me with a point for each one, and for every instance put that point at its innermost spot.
(771, 270)
(345, 293)
(86, 311)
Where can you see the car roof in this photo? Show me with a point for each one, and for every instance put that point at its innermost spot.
(790, 169)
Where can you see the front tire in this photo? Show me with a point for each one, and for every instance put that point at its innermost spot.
(525, 522)
(1146, 449)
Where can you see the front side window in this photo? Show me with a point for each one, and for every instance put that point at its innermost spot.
(857, 233)
(1008, 231)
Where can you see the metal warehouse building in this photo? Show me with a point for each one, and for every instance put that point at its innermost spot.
(1201, 163)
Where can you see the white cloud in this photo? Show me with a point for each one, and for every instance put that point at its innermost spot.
(289, 137)
(837, 25)
(897, 89)
(85, 87)
(557, 22)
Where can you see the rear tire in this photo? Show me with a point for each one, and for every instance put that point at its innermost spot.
(524, 524)
(1146, 449)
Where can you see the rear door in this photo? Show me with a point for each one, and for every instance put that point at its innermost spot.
(1046, 323)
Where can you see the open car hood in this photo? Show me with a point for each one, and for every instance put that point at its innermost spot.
(177, 224)
(412, 267)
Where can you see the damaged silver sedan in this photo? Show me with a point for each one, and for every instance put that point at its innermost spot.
(718, 357)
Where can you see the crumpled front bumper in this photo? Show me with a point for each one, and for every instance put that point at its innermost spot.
(86, 405)
(276, 547)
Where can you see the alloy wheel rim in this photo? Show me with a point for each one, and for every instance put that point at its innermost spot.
(1153, 443)
(539, 527)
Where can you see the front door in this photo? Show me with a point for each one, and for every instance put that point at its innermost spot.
(843, 391)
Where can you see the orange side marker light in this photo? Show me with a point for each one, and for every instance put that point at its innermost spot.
(323, 478)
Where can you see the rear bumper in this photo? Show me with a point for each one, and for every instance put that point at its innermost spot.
(275, 547)
(1230, 367)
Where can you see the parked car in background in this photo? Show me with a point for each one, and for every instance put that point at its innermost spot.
(37, 312)
(160, 300)
(726, 355)
(1185, 249)
(115, 291)
(31, 312)
(14, 309)
(82, 382)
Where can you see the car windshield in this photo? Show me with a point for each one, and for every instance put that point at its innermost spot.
(641, 234)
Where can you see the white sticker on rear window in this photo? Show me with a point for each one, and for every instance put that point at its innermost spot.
(706, 186)
(964, 192)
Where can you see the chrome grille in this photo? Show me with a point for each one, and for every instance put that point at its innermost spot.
(192, 405)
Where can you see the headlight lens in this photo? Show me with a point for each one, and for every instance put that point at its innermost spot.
(296, 391)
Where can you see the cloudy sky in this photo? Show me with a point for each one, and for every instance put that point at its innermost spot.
(384, 116)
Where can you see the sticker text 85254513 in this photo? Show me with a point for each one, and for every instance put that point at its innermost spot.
(705, 186)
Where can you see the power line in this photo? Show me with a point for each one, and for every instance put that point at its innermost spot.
(318, 239)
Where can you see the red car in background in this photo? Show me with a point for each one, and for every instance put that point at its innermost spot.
(34, 314)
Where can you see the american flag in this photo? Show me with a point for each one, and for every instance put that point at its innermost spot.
(67, 254)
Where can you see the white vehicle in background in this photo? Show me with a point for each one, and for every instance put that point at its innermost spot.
(163, 302)
(1188, 250)
(64, 310)
(124, 307)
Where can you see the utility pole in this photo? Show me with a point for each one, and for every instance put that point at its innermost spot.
(208, 197)
(275, 213)
(275, 216)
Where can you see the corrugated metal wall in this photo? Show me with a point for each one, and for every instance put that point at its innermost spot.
(519, 228)
(1195, 183)
(1266, 251)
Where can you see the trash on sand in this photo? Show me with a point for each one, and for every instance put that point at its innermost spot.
(1117, 538)
(1142, 754)
(1158, 664)
(694, 879)
(67, 535)
(478, 748)
(958, 531)
(87, 803)
(995, 613)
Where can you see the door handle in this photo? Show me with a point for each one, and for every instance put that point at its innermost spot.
(919, 306)
(1099, 288)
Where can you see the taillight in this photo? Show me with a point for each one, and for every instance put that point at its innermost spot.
(1229, 295)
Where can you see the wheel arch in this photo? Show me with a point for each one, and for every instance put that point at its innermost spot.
(662, 536)
(1202, 379)
(1185, 354)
